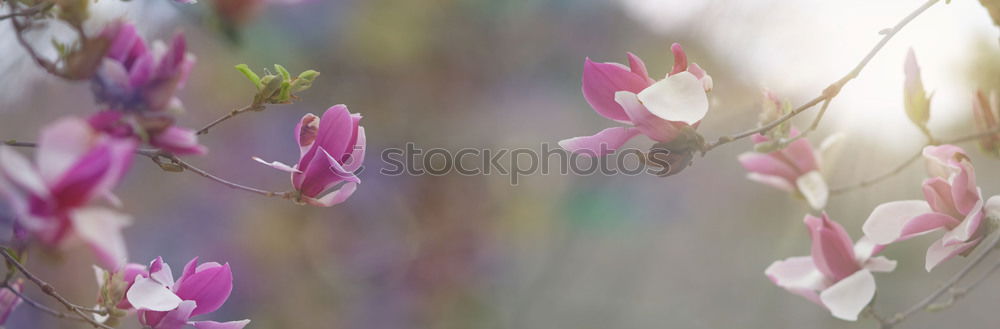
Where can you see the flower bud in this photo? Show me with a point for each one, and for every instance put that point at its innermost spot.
(675, 155)
(916, 102)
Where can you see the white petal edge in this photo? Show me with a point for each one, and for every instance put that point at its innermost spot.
(885, 224)
(680, 97)
(147, 294)
(813, 187)
(848, 297)
(278, 165)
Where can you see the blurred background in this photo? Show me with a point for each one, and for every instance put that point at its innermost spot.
(555, 251)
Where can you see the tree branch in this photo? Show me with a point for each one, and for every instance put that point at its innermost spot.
(230, 115)
(948, 286)
(831, 91)
(51, 291)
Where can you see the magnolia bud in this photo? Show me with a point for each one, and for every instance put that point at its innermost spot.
(915, 100)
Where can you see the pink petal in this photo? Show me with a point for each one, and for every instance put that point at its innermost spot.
(336, 197)
(101, 229)
(801, 153)
(357, 156)
(9, 301)
(321, 174)
(900, 220)
(147, 294)
(161, 272)
(60, 145)
(937, 191)
(963, 188)
(939, 159)
(179, 141)
(637, 66)
(832, 248)
(767, 164)
(797, 275)
(680, 59)
(603, 143)
(938, 252)
(220, 325)
(335, 132)
(650, 125)
(177, 318)
(848, 297)
(209, 286)
(967, 228)
(306, 131)
(602, 80)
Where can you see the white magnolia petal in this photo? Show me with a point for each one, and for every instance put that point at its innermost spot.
(848, 297)
(886, 222)
(880, 264)
(813, 187)
(278, 165)
(147, 294)
(680, 97)
(101, 229)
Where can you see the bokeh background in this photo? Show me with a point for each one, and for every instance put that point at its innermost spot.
(555, 251)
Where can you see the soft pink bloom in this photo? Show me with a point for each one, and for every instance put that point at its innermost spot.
(795, 168)
(161, 131)
(331, 149)
(953, 203)
(138, 86)
(166, 304)
(838, 273)
(661, 110)
(134, 77)
(9, 301)
(52, 197)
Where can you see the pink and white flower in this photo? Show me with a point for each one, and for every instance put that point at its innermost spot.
(165, 304)
(838, 273)
(661, 110)
(9, 300)
(139, 85)
(52, 197)
(331, 149)
(795, 169)
(953, 203)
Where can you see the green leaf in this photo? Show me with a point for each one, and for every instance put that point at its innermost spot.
(243, 68)
(284, 73)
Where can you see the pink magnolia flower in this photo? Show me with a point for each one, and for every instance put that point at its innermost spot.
(9, 300)
(166, 304)
(953, 203)
(838, 274)
(661, 110)
(139, 84)
(795, 168)
(331, 149)
(74, 166)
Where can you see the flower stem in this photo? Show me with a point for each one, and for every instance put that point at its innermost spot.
(230, 115)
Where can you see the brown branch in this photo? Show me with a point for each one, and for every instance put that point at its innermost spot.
(230, 115)
(831, 91)
(948, 286)
(81, 312)
(19, 30)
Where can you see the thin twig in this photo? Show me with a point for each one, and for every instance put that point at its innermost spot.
(49, 290)
(19, 30)
(831, 91)
(948, 286)
(30, 11)
(163, 159)
(916, 156)
(230, 115)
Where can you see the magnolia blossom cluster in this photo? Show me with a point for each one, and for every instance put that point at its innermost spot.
(665, 111)
(63, 198)
(838, 276)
